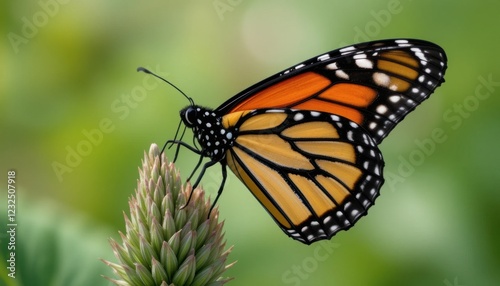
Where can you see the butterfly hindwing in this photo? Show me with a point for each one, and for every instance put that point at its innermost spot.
(314, 172)
(374, 84)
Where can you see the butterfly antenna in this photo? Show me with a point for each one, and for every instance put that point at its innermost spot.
(145, 70)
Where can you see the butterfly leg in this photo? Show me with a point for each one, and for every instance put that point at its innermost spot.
(221, 188)
(195, 168)
(202, 172)
(179, 143)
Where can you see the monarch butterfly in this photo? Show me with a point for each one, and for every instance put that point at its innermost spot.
(304, 141)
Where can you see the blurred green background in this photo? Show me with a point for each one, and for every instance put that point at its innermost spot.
(68, 82)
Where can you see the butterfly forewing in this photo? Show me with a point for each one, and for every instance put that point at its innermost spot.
(374, 84)
(314, 172)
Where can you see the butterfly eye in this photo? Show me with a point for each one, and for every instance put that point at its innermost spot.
(189, 115)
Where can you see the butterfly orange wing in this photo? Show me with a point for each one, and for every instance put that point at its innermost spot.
(373, 84)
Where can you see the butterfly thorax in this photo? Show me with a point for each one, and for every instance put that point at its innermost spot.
(207, 127)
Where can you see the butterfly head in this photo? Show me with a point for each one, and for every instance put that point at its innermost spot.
(208, 130)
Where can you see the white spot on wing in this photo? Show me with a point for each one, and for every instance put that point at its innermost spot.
(394, 98)
(323, 57)
(381, 79)
(332, 66)
(347, 49)
(349, 136)
(364, 63)
(381, 109)
(299, 66)
(341, 74)
(298, 116)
